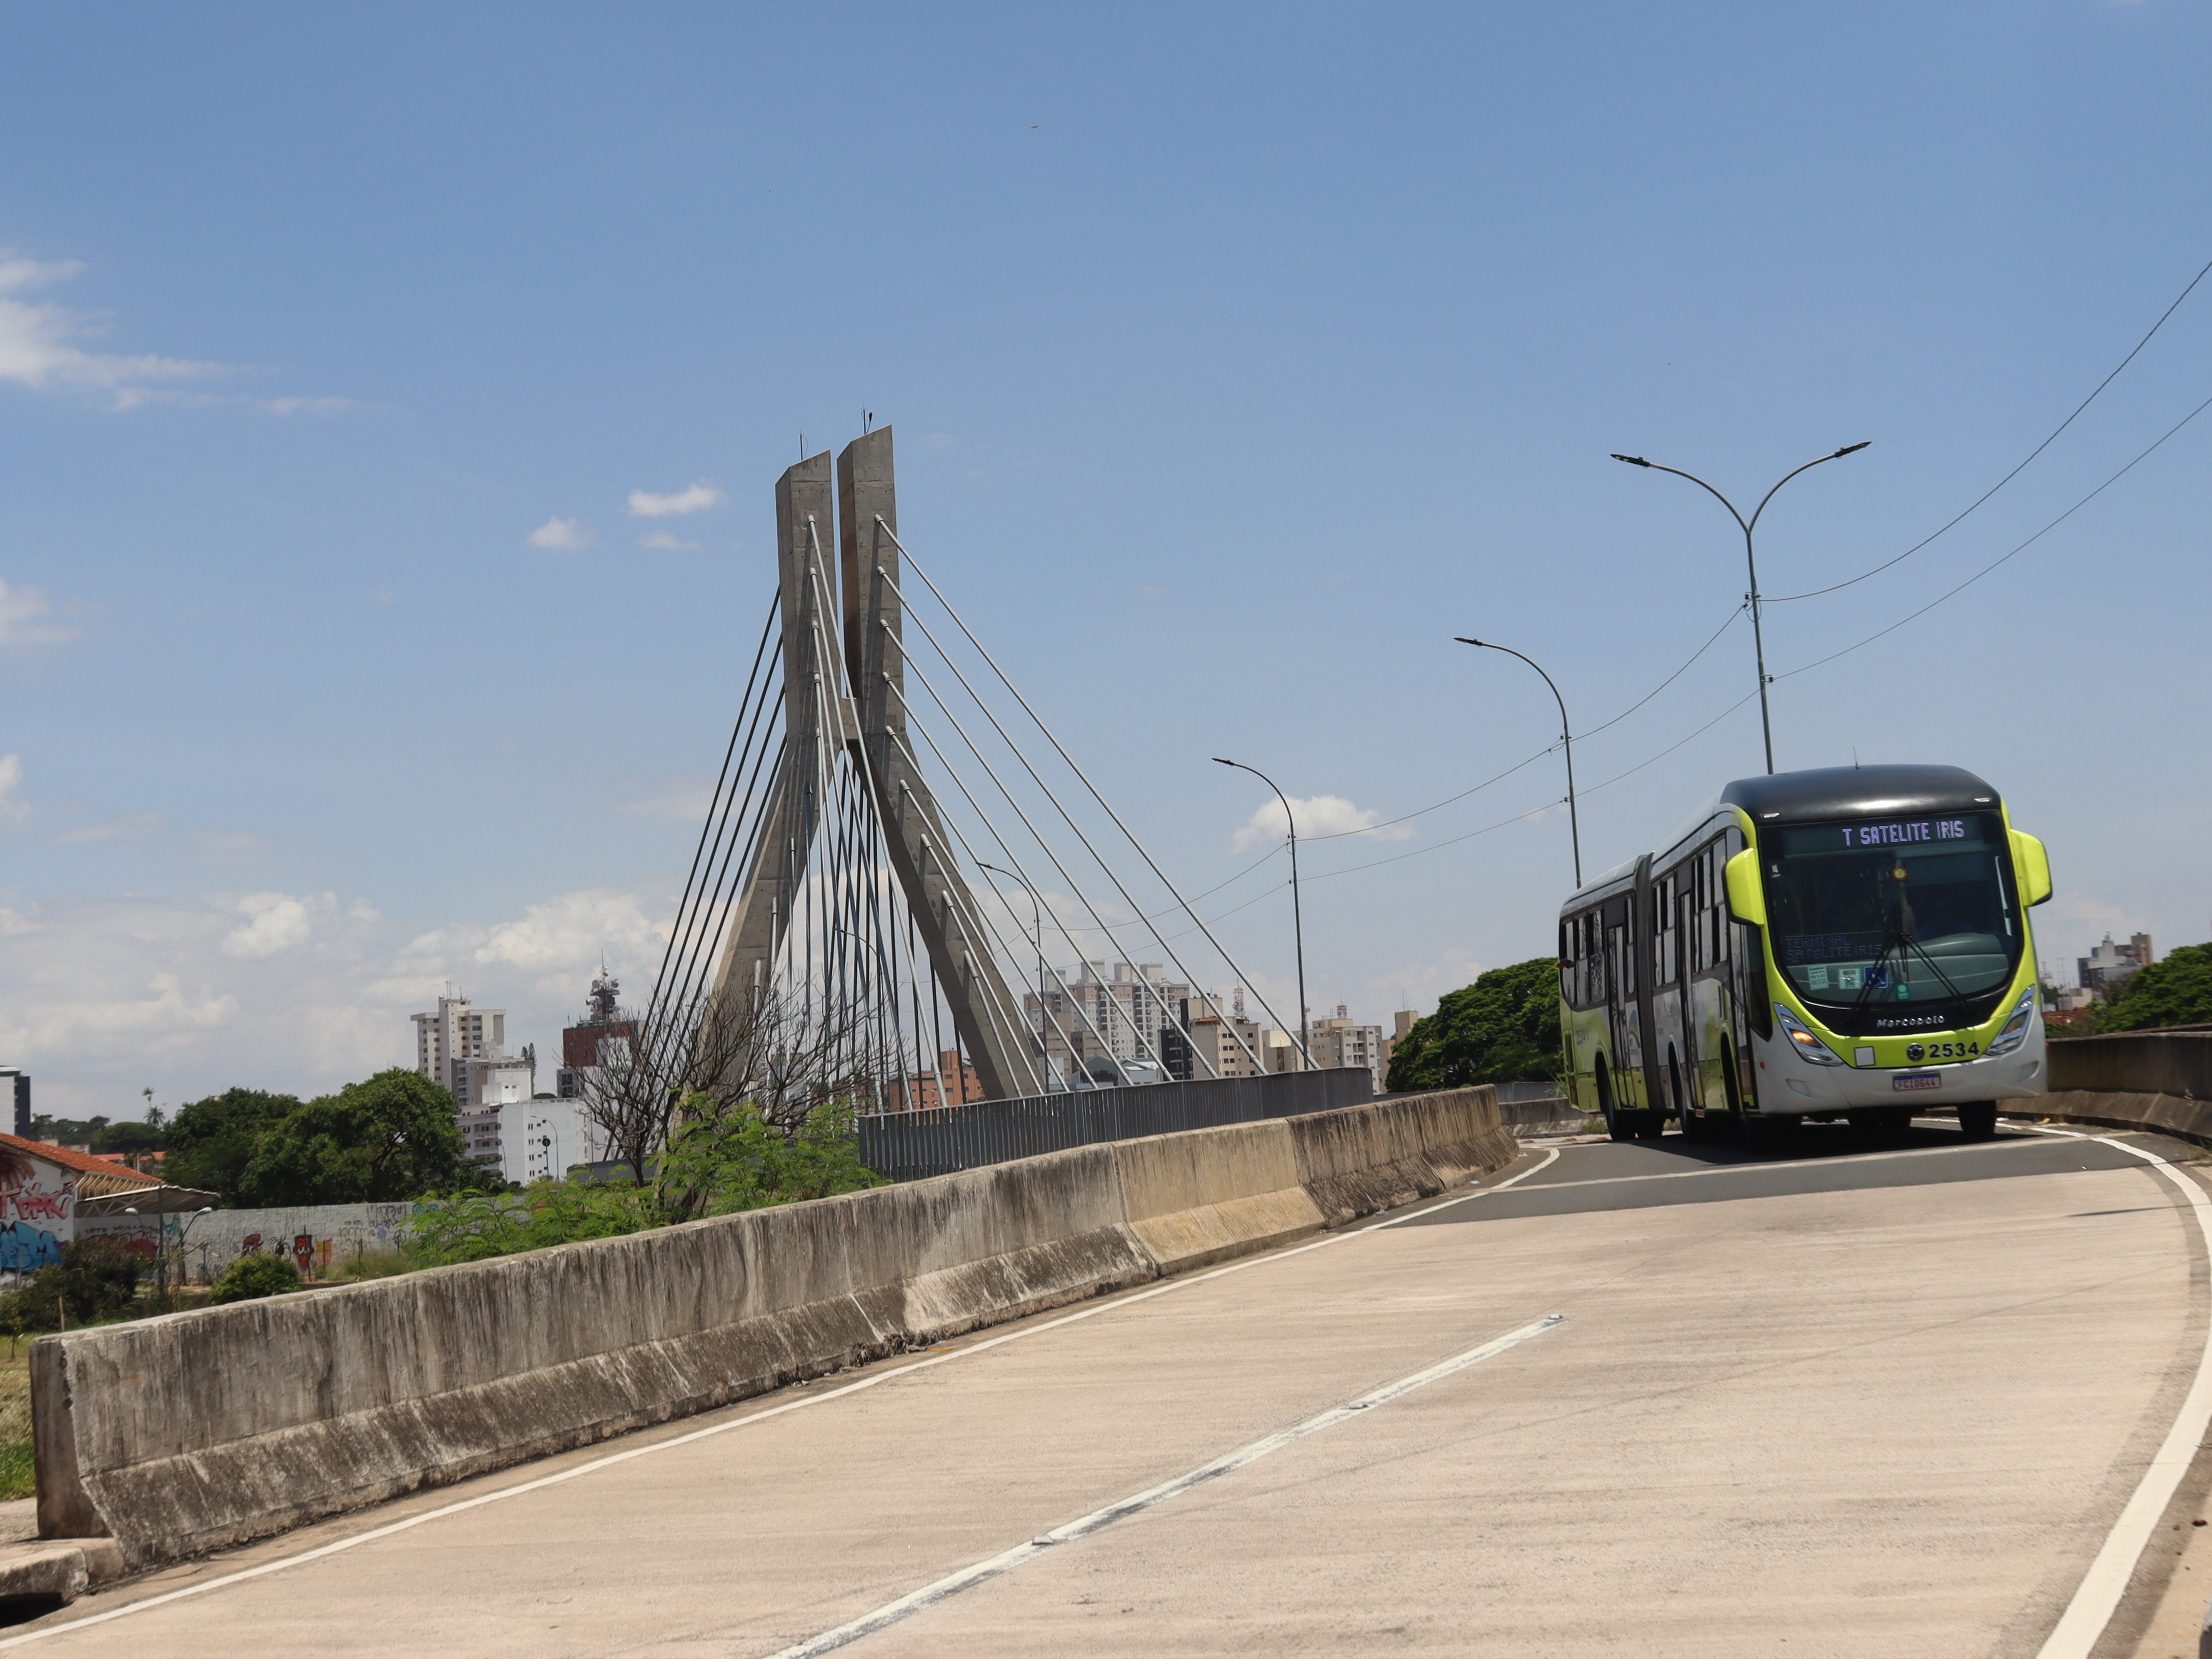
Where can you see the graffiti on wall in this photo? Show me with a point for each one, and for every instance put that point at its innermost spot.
(318, 1238)
(35, 1207)
(24, 1250)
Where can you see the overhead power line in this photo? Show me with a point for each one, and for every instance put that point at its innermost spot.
(1837, 587)
(2022, 548)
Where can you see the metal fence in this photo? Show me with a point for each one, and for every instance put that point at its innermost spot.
(910, 1146)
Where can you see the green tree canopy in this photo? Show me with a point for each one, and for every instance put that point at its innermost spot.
(211, 1141)
(1504, 1028)
(389, 1139)
(2175, 992)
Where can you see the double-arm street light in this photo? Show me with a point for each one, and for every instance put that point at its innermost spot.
(1566, 738)
(1759, 644)
(1298, 924)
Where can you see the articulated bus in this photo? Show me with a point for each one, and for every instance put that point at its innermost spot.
(1851, 942)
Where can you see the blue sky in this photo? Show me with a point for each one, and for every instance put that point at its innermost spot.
(1238, 357)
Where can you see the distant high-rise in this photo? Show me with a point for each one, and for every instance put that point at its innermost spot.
(449, 1039)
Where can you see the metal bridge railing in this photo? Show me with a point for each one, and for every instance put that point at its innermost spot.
(911, 1146)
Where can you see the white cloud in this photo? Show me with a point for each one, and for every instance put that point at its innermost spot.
(668, 544)
(1317, 815)
(571, 931)
(275, 923)
(38, 341)
(687, 802)
(296, 992)
(11, 779)
(131, 823)
(644, 504)
(20, 611)
(560, 535)
(1418, 984)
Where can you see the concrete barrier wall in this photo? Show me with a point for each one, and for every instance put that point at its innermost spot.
(187, 1432)
(2158, 1080)
(2178, 1062)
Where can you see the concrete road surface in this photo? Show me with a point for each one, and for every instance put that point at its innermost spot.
(1886, 1402)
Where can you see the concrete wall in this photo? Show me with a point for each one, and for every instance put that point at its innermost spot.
(187, 1432)
(2135, 1062)
(2158, 1080)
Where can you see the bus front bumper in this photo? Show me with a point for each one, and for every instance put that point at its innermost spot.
(1788, 1084)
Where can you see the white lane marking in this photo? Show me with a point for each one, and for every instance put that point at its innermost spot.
(1840, 1160)
(2098, 1594)
(1006, 1560)
(802, 1403)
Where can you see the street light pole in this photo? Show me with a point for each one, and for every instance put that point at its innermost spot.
(1297, 921)
(1566, 738)
(1758, 640)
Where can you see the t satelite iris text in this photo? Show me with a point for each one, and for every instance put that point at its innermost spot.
(1891, 834)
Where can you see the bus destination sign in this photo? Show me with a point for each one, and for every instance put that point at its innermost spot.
(1901, 834)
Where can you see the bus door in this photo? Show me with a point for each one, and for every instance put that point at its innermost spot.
(1746, 981)
(1621, 984)
(1686, 964)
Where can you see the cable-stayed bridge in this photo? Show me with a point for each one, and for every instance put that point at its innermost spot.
(900, 854)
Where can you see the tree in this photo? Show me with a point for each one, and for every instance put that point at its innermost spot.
(715, 1065)
(211, 1141)
(1504, 1028)
(384, 1140)
(2175, 992)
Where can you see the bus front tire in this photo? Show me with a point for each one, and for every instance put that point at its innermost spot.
(1977, 1120)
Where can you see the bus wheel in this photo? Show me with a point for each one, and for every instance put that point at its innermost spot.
(1769, 1133)
(1977, 1120)
(1696, 1126)
(1619, 1125)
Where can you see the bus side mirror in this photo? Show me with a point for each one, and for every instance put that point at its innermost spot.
(2034, 866)
(1747, 900)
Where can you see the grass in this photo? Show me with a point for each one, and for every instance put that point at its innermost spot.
(15, 1479)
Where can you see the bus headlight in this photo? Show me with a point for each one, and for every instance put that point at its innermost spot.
(2016, 1029)
(1807, 1045)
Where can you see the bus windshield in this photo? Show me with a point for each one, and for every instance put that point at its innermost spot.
(1868, 915)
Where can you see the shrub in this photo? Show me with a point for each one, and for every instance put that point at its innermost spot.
(477, 1226)
(253, 1276)
(96, 1279)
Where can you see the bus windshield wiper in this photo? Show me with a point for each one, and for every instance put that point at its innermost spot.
(1890, 938)
(1935, 966)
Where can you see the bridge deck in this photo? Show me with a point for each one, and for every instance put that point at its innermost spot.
(1883, 1404)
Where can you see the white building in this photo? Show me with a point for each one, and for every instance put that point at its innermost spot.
(495, 1082)
(541, 1140)
(447, 1040)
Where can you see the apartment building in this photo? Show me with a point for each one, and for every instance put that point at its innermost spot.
(446, 1041)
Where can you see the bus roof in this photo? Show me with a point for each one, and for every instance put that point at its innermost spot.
(1850, 792)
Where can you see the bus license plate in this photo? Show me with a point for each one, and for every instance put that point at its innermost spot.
(1905, 1081)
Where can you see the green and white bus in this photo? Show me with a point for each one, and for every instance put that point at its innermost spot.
(1851, 942)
